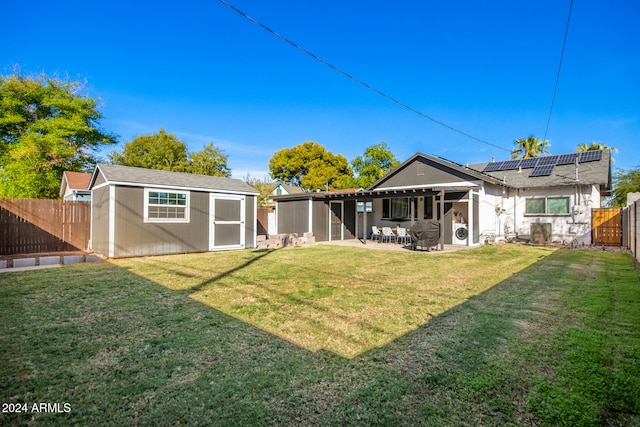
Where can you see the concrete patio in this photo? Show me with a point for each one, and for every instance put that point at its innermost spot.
(375, 245)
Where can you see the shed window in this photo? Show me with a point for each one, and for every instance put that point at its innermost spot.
(165, 206)
(547, 206)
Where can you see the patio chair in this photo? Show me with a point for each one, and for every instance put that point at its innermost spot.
(403, 237)
(388, 234)
(375, 233)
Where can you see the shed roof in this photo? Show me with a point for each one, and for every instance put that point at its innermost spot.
(126, 175)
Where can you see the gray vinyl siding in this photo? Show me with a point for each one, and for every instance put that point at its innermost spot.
(349, 219)
(320, 220)
(134, 237)
(293, 217)
(422, 172)
(250, 222)
(100, 221)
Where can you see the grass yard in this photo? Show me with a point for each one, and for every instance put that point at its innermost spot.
(334, 298)
(498, 335)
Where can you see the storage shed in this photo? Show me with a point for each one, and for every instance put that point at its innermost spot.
(137, 212)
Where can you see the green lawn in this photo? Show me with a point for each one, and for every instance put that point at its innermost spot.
(499, 335)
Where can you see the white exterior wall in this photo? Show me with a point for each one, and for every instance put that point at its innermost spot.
(575, 225)
(494, 201)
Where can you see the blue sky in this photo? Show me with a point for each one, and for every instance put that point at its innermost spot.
(203, 72)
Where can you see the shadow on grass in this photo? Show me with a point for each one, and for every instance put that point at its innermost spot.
(124, 351)
(311, 322)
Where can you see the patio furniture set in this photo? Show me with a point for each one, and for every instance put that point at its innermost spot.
(389, 234)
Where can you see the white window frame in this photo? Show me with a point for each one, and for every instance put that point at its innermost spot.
(187, 206)
(546, 206)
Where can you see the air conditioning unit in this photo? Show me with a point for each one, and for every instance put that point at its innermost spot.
(541, 233)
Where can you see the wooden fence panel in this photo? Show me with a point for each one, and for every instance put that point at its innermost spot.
(606, 226)
(263, 221)
(31, 225)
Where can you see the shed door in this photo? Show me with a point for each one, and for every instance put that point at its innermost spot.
(227, 215)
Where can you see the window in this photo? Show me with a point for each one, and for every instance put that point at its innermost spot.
(396, 209)
(428, 207)
(547, 206)
(361, 206)
(164, 206)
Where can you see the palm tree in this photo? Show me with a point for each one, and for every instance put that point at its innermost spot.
(529, 147)
(594, 146)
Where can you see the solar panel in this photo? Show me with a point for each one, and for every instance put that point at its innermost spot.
(567, 159)
(509, 165)
(544, 170)
(529, 162)
(493, 166)
(548, 160)
(590, 156)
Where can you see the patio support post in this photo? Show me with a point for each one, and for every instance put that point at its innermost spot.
(364, 222)
(441, 194)
(470, 218)
(411, 211)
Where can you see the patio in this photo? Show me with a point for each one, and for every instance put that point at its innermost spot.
(375, 245)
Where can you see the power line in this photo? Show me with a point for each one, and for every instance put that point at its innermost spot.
(555, 87)
(360, 82)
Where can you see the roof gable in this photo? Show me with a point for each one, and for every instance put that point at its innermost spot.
(74, 181)
(422, 170)
(126, 175)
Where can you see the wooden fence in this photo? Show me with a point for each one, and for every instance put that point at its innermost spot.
(263, 221)
(606, 226)
(631, 227)
(32, 226)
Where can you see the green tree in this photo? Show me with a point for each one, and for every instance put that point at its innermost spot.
(47, 126)
(264, 186)
(161, 150)
(594, 146)
(310, 166)
(211, 161)
(376, 162)
(624, 182)
(529, 147)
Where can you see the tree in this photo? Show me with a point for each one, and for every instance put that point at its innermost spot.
(210, 161)
(162, 150)
(594, 146)
(309, 166)
(529, 147)
(624, 182)
(47, 126)
(376, 162)
(264, 186)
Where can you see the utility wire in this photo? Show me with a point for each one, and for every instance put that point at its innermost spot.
(555, 87)
(360, 82)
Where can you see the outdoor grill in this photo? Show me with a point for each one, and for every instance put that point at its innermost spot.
(425, 233)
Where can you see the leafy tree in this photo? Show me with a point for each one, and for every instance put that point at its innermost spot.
(376, 162)
(210, 161)
(162, 150)
(47, 126)
(529, 147)
(624, 182)
(594, 146)
(264, 186)
(309, 166)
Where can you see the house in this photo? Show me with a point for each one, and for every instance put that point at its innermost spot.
(75, 186)
(551, 195)
(137, 212)
(282, 189)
